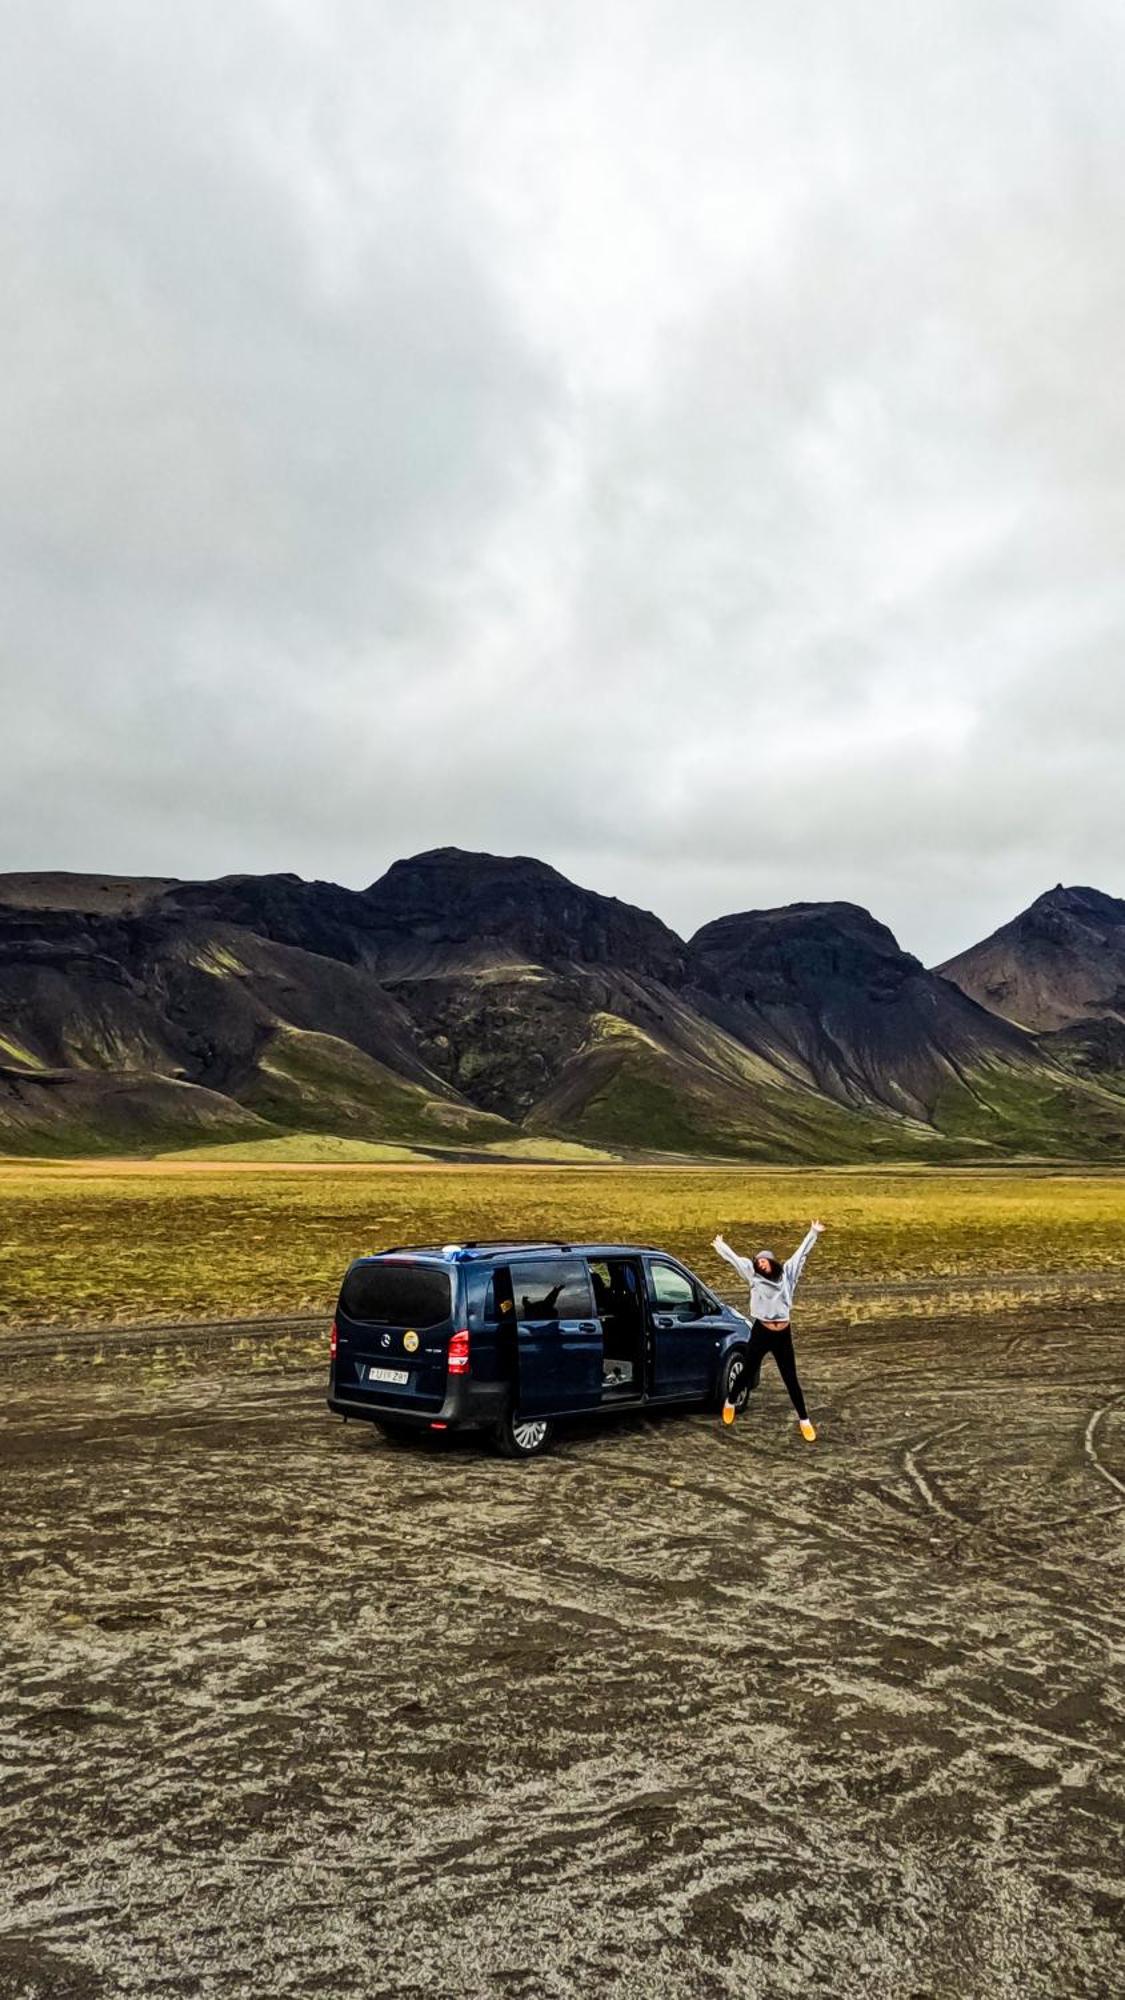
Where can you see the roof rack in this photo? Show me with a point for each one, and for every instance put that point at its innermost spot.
(490, 1243)
(400, 1249)
(517, 1243)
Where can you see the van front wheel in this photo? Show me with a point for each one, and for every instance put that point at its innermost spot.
(734, 1382)
(523, 1437)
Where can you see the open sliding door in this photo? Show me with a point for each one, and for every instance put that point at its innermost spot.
(559, 1338)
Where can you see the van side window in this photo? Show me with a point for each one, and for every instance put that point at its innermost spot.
(669, 1287)
(551, 1288)
(601, 1278)
(489, 1295)
(500, 1304)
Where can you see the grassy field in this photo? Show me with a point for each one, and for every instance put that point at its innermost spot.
(117, 1242)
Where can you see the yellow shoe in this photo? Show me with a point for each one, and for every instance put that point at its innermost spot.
(808, 1430)
(728, 1413)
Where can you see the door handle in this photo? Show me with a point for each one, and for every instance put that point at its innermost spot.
(587, 1326)
(665, 1322)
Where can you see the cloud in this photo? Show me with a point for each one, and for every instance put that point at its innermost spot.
(685, 444)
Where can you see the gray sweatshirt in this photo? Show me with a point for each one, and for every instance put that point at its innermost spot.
(770, 1298)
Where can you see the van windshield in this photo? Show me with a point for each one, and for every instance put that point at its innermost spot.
(397, 1294)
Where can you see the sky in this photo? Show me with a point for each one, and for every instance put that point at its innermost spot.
(685, 443)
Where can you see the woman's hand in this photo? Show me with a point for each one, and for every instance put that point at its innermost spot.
(819, 1227)
(717, 1243)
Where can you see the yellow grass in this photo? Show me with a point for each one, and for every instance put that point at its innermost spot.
(90, 1242)
(296, 1149)
(303, 1149)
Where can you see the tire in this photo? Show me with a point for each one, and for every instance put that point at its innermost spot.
(523, 1437)
(734, 1382)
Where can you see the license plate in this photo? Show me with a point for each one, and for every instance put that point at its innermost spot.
(400, 1376)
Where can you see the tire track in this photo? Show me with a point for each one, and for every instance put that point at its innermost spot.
(869, 1543)
(922, 1485)
(1090, 1447)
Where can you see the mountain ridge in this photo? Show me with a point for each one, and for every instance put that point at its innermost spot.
(469, 1001)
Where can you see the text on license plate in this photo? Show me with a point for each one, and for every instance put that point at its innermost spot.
(398, 1375)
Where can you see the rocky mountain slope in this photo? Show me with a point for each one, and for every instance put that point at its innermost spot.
(1058, 970)
(824, 989)
(180, 1008)
(1059, 962)
(477, 1003)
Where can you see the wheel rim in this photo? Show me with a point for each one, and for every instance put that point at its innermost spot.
(529, 1435)
(737, 1385)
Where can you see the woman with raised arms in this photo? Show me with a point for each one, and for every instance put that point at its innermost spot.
(772, 1285)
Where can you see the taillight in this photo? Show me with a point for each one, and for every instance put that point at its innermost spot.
(459, 1352)
(332, 1339)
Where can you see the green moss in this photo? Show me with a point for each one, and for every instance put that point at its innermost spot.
(16, 1053)
(300, 1149)
(1035, 1112)
(550, 1150)
(219, 962)
(316, 1083)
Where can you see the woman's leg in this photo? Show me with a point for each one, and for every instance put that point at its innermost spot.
(787, 1368)
(757, 1345)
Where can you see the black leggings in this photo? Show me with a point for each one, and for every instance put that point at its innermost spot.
(778, 1342)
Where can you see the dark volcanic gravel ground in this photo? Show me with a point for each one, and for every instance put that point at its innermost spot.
(285, 1709)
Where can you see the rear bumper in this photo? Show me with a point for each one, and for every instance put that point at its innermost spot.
(467, 1405)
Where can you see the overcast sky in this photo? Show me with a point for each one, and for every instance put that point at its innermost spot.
(682, 441)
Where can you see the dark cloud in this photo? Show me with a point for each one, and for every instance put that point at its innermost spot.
(686, 444)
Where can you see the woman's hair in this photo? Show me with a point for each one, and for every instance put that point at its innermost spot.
(776, 1267)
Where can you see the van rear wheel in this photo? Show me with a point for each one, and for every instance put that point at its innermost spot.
(523, 1437)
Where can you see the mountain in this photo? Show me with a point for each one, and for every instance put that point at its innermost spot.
(564, 1011)
(1058, 970)
(471, 1002)
(99, 895)
(825, 990)
(1059, 962)
(449, 906)
(158, 1011)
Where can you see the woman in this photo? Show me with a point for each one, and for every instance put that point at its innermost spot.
(771, 1300)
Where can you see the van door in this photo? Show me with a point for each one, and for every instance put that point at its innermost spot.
(558, 1338)
(685, 1329)
(393, 1322)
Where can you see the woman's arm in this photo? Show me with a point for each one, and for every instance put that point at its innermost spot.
(742, 1265)
(795, 1264)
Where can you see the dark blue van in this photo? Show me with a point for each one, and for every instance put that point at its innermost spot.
(507, 1337)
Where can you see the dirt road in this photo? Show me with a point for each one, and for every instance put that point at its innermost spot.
(285, 1709)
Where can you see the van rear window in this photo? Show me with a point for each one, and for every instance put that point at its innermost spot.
(397, 1294)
